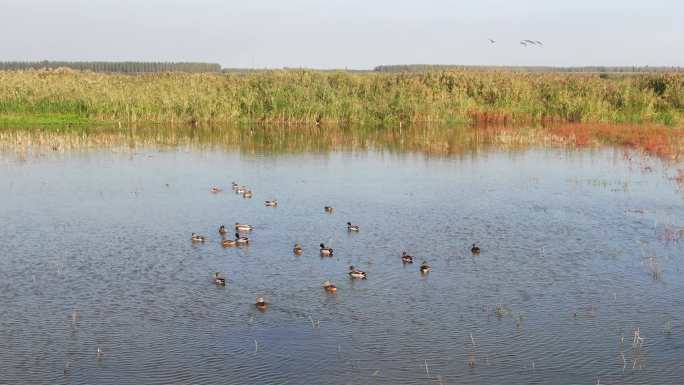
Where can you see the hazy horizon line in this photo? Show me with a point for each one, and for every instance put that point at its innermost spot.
(354, 68)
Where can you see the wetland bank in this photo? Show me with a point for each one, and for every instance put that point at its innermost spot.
(63, 96)
(578, 216)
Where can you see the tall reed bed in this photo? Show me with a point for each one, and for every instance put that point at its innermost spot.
(311, 97)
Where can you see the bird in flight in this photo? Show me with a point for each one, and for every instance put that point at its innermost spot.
(539, 42)
(523, 43)
(492, 41)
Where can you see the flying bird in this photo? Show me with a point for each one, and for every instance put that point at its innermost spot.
(492, 41)
(539, 42)
(529, 42)
(523, 43)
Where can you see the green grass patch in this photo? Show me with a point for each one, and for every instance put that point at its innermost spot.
(45, 120)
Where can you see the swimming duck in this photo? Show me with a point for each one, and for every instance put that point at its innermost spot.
(356, 273)
(215, 189)
(351, 227)
(475, 249)
(240, 189)
(234, 185)
(297, 248)
(261, 303)
(271, 203)
(326, 251)
(228, 242)
(222, 229)
(218, 280)
(241, 240)
(328, 209)
(247, 194)
(243, 227)
(196, 238)
(329, 287)
(406, 258)
(424, 268)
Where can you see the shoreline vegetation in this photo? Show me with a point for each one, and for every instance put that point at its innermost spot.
(299, 97)
(443, 112)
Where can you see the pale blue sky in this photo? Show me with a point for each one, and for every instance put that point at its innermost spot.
(352, 33)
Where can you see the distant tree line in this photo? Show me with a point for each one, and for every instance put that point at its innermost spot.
(440, 67)
(132, 67)
(118, 67)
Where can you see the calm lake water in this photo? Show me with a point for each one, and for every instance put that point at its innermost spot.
(96, 253)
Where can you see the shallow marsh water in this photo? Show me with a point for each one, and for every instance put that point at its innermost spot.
(96, 254)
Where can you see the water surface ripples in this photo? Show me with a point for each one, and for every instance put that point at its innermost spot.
(96, 253)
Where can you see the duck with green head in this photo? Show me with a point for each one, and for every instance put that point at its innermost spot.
(406, 258)
(326, 251)
(219, 280)
(356, 273)
(240, 240)
(243, 227)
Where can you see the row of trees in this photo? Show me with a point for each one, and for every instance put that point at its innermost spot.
(154, 67)
(120, 67)
(429, 67)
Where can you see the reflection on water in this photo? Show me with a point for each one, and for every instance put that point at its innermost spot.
(433, 140)
(579, 249)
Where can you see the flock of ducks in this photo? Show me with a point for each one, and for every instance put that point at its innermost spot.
(246, 193)
(324, 251)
